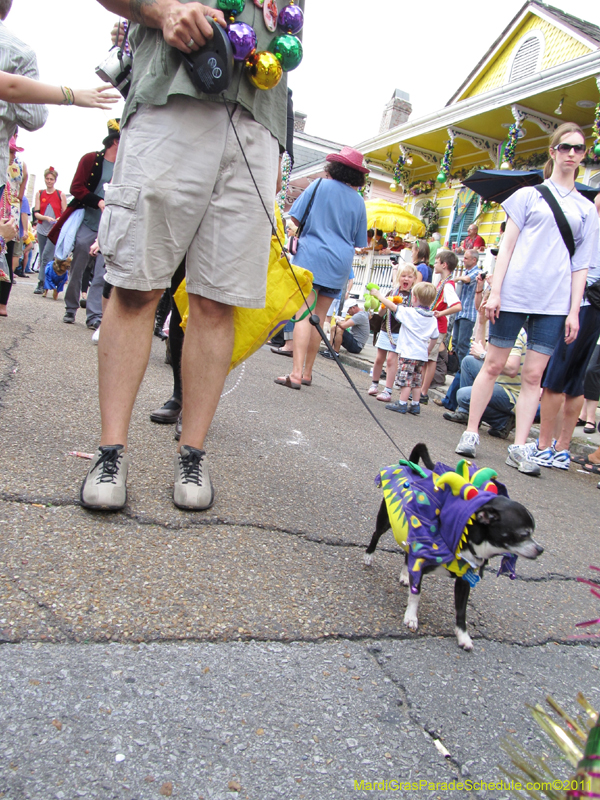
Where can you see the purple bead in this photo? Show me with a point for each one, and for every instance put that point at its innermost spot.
(243, 40)
(291, 19)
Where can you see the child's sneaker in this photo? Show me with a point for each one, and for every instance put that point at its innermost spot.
(562, 459)
(401, 408)
(385, 396)
(374, 389)
(542, 457)
(521, 457)
(414, 408)
(468, 444)
(424, 399)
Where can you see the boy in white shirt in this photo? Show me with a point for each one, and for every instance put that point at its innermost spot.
(446, 303)
(417, 338)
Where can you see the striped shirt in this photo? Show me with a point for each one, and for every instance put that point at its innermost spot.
(17, 58)
(467, 296)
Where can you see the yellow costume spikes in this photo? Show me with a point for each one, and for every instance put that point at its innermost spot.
(451, 479)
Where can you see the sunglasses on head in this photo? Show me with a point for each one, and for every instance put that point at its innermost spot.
(565, 147)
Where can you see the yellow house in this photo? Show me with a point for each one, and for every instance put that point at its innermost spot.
(543, 69)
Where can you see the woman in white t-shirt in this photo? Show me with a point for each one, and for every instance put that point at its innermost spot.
(538, 284)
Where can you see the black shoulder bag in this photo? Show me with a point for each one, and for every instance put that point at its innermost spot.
(293, 245)
(559, 216)
(592, 292)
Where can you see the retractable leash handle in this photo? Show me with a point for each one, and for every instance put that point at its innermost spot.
(211, 67)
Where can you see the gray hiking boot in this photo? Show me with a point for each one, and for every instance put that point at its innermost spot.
(520, 456)
(104, 487)
(468, 444)
(193, 489)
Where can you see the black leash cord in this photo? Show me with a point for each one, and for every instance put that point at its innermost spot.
(314, 319)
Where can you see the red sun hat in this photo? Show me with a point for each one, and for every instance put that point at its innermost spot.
(350, 157)
(13, 146)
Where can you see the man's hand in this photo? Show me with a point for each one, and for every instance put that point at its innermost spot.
(185, 26)
(101, 205)
(477, 349)
(118, 33)
(8, 229)
(94, 249)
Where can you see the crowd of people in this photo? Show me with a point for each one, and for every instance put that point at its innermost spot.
(126, 240)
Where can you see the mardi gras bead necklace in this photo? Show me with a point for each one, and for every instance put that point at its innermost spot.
(264, 68)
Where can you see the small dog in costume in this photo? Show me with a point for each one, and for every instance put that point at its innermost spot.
(457, 520)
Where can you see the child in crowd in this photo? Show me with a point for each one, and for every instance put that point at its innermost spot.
(56, 275)
(446, 302)
(417, 338)
(388, 335)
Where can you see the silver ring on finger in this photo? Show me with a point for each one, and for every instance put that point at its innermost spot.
(190, 44)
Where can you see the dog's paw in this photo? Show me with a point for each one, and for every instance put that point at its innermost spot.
(404, 576)
(464, 640)
(368, 559)
(411, 621)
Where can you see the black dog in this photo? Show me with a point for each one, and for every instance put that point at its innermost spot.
(500, 526)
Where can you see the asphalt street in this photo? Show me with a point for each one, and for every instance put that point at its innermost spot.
(247, 651)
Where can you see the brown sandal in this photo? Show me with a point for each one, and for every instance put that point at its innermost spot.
(287, 381)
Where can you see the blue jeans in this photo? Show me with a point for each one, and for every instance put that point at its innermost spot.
(461, 337)
(500, 406)
(449, 400)
(544, 331)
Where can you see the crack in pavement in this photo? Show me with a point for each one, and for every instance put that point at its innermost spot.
(10, 372)
(126, 517)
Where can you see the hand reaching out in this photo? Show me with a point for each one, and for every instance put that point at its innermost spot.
(100, 97)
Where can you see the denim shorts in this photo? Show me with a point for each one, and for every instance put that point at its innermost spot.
(544, 331)
(326, 291)
(350, 343)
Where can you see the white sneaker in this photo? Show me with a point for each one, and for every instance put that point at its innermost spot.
(104, 487)
(562, 459)
(468, 444)
(96, 336)
(521, 457)
(193, 489)
(543, 457)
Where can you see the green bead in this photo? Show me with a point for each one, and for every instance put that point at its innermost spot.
(234, 6)
(441, 178)
(288, 49)
(597, 149)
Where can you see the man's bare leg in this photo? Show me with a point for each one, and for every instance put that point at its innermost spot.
(123, 354)
(207, 350)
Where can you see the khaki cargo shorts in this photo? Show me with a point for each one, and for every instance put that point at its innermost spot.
(181, 186)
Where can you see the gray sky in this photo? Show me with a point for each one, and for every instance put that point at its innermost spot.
(355, 54)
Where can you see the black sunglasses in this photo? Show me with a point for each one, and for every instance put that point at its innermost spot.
(565, 147)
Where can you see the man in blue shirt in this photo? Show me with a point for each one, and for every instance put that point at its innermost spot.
(467, 316)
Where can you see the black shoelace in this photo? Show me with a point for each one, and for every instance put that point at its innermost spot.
(108, 464)
(191, 466)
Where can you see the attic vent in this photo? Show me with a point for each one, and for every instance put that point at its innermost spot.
(526, 59)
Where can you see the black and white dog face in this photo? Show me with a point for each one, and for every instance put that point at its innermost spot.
(503, 526)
